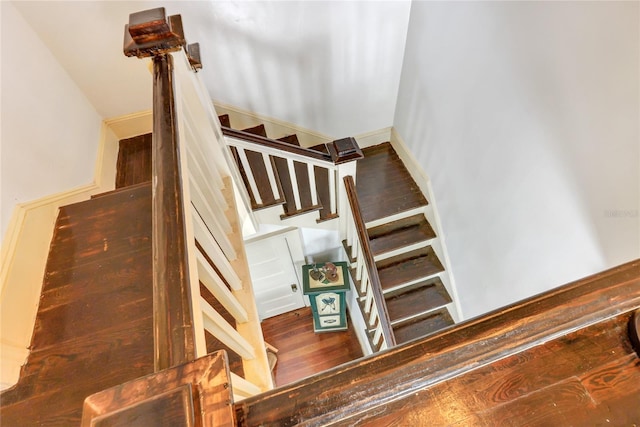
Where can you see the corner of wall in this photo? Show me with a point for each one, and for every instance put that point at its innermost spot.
(431, 212)
(25, 246)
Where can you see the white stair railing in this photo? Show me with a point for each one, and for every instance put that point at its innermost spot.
(210, 223)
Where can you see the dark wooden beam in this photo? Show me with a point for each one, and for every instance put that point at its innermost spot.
(406, 373)
(150, 34)
(274, 143)
(370, 264)
(193, 394)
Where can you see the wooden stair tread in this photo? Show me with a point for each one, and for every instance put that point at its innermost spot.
(422, 325)
(421, 297)
(320, 147)
(290, 139)
(94, 325)
(407, 267)
(384, 185)
(300, 211)
(224, 120)
(401, 233)
(257, 130)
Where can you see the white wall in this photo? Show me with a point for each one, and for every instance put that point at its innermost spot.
(525, 116)
(50, 131)
(333, 67)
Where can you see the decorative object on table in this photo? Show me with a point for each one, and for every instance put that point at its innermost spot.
(316, 273)
(327, 292)
(331, 271)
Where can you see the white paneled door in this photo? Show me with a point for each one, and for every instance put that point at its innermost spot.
(274, 263)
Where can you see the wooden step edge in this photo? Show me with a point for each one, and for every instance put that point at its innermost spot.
(396, 217)
(424, 313)
(439, 312)
(327, 218)
(290, 139)
(443, 315)
(277, 202)
(426, 251)
(347, 251)
(224, 120)
(381, 256)
(121, 190)
(301, 212)
(257, 130)
(410, 283)
(418, 219)
(370, 334)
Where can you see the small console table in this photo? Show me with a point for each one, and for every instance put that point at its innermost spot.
(327, 294)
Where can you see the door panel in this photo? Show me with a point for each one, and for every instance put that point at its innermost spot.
(274, 274)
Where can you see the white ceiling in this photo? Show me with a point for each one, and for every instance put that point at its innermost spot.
(333, 67)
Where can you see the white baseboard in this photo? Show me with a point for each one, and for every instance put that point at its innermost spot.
(375, 137)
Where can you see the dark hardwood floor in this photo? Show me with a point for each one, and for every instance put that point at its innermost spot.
(94, 327)
(384, 185)
(301, 352)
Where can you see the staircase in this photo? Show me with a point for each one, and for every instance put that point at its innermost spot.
(94, 327)
(400, 237)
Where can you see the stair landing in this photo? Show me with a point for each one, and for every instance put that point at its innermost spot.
(384, 185)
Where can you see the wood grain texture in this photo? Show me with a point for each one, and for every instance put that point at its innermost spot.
(274, 143)
(385, 187)
(582, 327)
(301, 352)
(94, 326)
(375, 281)
(173, 318)
(398, 234)
(134, 161)
(193, 394)
(422, 325)
(422, 296)
(408, 266)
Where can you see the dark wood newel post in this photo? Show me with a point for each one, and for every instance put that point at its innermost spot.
(150, 34)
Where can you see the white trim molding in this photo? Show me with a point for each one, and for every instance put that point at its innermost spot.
(242, 119)
(431, 212)
(25, 246)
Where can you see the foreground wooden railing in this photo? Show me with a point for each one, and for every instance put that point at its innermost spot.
(365, 274)
(196, 229)
(423, 381)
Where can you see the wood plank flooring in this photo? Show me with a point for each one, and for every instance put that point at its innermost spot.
(590, 377)
(384, 185)
(94, 327)
(301, 352)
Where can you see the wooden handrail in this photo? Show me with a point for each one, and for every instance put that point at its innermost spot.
(403, 373)
(150, 34)
(274, 143)
(370, 265)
